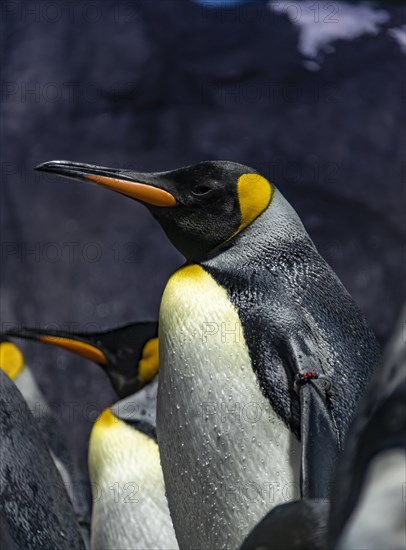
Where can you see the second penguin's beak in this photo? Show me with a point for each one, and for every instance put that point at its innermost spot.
(128, 354)
(140, 186)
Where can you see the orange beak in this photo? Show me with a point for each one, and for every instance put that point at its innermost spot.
(136, 185)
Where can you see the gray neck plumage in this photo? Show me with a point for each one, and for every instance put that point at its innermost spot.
(139, 410)
(277, 225)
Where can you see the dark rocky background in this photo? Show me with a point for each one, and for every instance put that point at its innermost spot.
(156, 85)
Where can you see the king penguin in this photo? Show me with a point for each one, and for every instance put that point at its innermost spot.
(12, 362)
(246, 329)
(130, 509)
(35, 511)
(368, 504)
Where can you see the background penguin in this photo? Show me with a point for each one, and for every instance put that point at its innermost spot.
(125, 468)
(35, 510)
(12, 362)
(254, 308)
(128, 354)
(368, 508)
(130, 509)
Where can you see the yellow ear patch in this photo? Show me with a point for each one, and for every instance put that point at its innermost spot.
(254, 195)
(75, 346)
(149, 363)
(11, 359)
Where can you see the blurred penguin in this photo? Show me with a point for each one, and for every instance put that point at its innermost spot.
(13, 363)
(130, 509)
(35, 510)
(368, 510)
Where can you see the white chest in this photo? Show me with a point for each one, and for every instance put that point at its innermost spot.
(129, 505)
(227, 458)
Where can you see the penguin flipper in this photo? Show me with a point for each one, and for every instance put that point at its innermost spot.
(319, 437)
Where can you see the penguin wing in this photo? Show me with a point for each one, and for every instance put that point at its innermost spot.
(320, 445)
(318, 430)
(296, 363)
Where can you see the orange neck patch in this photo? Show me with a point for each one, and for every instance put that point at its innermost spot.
(11, 359)
(149, 363)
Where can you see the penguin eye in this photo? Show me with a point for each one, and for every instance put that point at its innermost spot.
(201, 190)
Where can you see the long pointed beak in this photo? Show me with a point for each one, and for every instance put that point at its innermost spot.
(132, 184)
(78, 344)
(128, 354)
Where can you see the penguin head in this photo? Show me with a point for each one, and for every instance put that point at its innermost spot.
(200, 207)
(128, 354)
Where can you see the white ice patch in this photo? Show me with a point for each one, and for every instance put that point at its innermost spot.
(399, 34)
(321, 23)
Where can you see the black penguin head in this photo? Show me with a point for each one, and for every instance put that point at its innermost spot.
(128, 354)
(200, 207)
